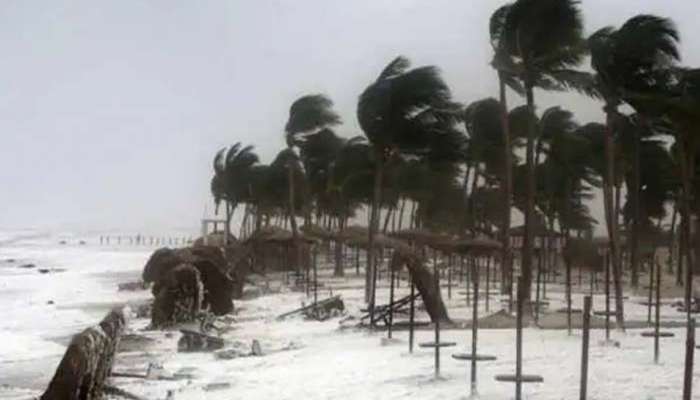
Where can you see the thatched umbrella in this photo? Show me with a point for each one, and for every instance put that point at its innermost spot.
(317, 232)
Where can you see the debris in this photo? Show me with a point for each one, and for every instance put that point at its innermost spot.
(216, 386)
(87, 362)
(256, 350)
(320, 311)
(196, 341)
(115, 391)
(131, 286)
(50, 270)
(178, 297)
(133, 342)
(237, 349)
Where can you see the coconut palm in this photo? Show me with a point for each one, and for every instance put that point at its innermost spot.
(542, 40)
(229, 183)
(628, 61)
(506, 78)
(307, 115)
(399, 113)
(679, 104)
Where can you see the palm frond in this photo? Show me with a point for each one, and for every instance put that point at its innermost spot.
(310, 113)
(396, 67)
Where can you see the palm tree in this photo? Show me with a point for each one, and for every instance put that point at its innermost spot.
(399, 112)
(630, 60)
(505, 79)
(679, 104)
(229, 183)
(307, 115)
(318, 152)
(542, 40)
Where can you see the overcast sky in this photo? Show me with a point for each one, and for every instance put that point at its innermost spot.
(110, 111)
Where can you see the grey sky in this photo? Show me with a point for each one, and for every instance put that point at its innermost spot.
(110, 112)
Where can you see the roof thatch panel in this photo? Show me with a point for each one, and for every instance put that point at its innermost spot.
(273, 234)
(317, 232)
(539, 230)
(424, 237)
(477, 246)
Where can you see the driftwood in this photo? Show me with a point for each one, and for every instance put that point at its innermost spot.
(87, 362)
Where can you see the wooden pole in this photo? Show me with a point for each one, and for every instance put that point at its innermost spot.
(488, 281)
(412, 314)
(519, 339)
(475, 322)
(658, 311)
(568, 297)
(537, 287)
(315, 275)
(689, 355)
(584, 351)
(607, 297)
(437, 319)
(391, 301)
(449, 277)
(651, 292)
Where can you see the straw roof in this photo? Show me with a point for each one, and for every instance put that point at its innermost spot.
(273, 234)
(477, 246)
(317, 232)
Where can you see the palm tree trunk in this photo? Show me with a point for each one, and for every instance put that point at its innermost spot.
(403, 206)
(227, 231)
(634, 236)
(387, 217)
(528, 243)
(611, 215)
(506, 261)
(672, 239)
(292, 219)
(687, 161)
(373, 227)
(338, 270)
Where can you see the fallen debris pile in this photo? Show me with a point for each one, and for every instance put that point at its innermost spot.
(87, 362)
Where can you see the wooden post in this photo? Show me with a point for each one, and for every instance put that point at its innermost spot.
(315, 275)
(391, 300)
(467, 278)
(537, 287)
(658, 311)
(689, 355)
(475, 319)
(519, 339)
(568, 297)
(449, 277)
(412, 315)
(584, 351)
(437, 319)
(357, 260)
(607, 297)
(488, 281)
(651, 291)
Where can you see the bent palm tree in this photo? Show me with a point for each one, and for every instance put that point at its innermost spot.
(542, 41)
(630, 60)
(307, 115)
(399, 112)
(231, 167)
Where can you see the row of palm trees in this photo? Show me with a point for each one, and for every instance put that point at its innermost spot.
(459, 169)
